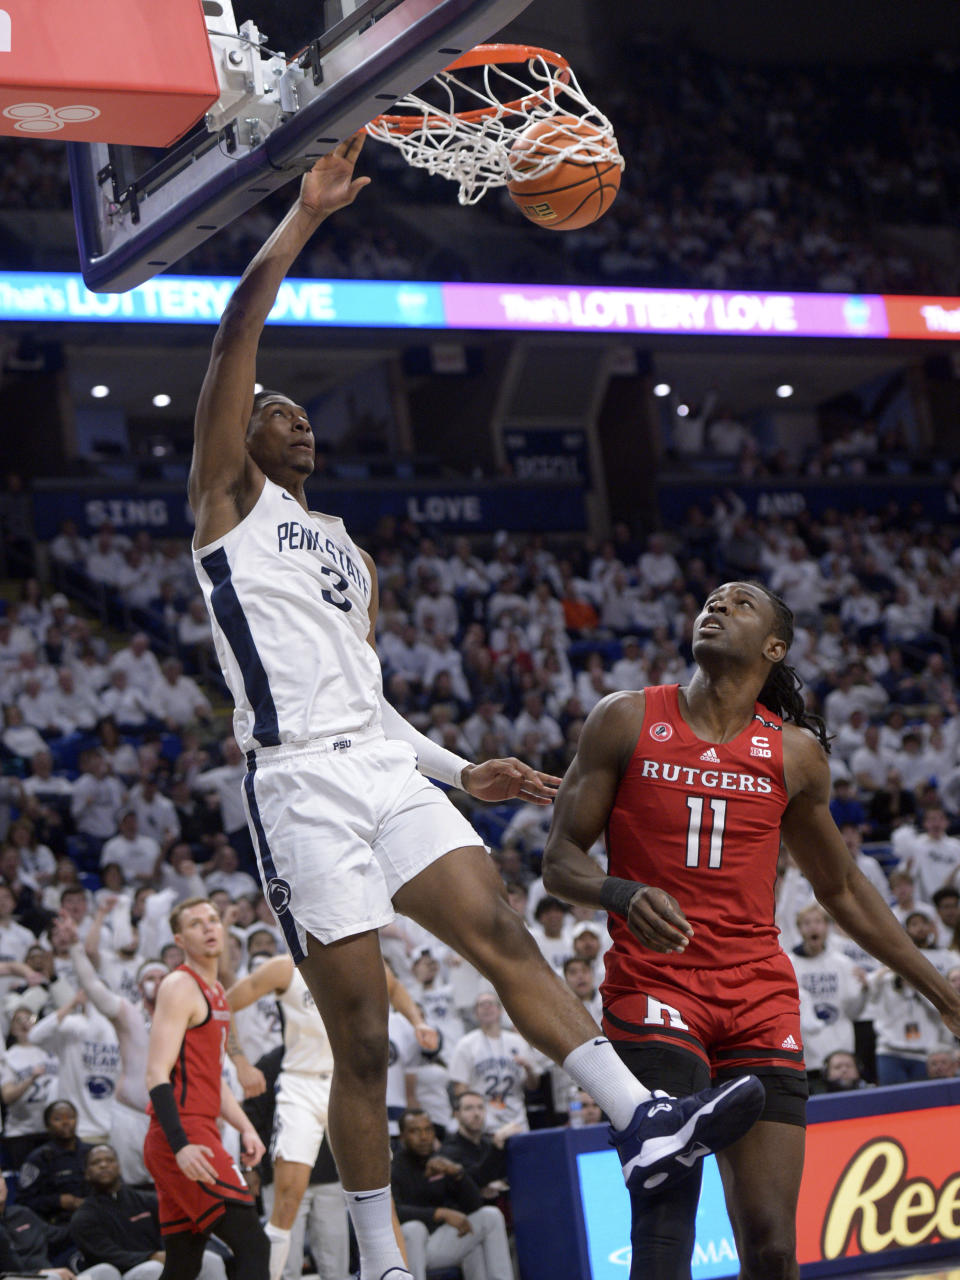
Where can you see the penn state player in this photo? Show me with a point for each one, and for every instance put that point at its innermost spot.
(344, 826)
(694, 787)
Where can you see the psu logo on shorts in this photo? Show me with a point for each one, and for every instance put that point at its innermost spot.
(661, 731)
(342, 744)
(278, 895)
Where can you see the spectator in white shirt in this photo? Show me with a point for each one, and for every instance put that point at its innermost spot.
(869, 865)
(488, 719)
(800, 582)
(15, 939)
(658, 568)
(156, 813)
(437, 606)
(125, 703)
(137, 854)
(222, 873)
(833, 990)
(97, 798)
(533, 719)
(178, 700)
(139, 662)
(74, 706)
(443, 656)
(593, 682)
(551, 932)
(869, 763)
(104, 560)
(225, 782)
(194, 632)
(465, 571)
(629, 671)
(932, 856)
(68, 547)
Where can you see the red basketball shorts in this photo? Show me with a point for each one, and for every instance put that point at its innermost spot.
(186, 1205)
(743, 1016)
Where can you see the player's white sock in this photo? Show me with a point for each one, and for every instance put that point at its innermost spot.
(596, 1068)
(372, 1215)
(279, 1248)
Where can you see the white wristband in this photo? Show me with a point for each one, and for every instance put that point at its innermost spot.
(432, 759)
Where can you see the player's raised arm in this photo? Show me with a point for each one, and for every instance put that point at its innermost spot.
(272, 977)
(840, 886)
(220, 471)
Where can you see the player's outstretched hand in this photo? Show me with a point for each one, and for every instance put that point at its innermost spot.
(509, 779)
(428, 1038)
(656, 919)
(252, 1080)
(253, 1148)
(330, 184)
(195, 1162)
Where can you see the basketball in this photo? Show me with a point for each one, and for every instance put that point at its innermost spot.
(572, 193)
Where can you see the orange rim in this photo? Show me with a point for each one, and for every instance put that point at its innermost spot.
(481, 56)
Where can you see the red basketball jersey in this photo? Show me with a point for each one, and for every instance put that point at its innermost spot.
(196, 1075)
(701, 820)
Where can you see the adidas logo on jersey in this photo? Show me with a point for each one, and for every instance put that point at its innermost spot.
(789, 1043)
(711, 756)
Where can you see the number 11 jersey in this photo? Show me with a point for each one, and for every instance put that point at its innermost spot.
(702, 821)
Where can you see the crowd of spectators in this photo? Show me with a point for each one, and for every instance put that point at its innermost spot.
(736, 177)
(121, 796)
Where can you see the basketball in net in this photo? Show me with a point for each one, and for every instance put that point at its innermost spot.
(507, 115)
(578, 188)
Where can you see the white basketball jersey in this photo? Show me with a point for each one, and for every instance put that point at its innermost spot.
(306, 1047)
(288, 595)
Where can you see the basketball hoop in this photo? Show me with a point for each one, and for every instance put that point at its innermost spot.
(474, 145)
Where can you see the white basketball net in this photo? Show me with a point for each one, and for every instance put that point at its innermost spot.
(477, 153)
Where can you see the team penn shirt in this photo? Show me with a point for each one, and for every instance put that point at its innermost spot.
(288, 594)
(701, 820)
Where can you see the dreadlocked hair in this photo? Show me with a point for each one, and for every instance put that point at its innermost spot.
(781, 693)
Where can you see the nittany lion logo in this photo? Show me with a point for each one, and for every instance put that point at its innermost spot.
(99, 1087)
(661, 731)
(278, 894)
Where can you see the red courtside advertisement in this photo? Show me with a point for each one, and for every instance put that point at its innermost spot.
(880, 1182)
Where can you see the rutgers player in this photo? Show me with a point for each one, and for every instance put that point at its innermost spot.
(198, 1185)
(694, 787)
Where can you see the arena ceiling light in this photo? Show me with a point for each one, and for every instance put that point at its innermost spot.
(662, 389)
(683, 410)
(161, 400)
(99, 391)
(785, 391)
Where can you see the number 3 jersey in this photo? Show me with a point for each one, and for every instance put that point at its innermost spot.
(288, 594)
(702, 821)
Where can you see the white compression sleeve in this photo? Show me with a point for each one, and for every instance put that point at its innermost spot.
(433, 760)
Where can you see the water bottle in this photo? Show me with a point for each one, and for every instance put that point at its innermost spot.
(575, 1109)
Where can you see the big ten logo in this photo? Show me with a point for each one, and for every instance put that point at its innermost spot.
(760, 746)
(6, 32)
(542, 212)
(878, 1208)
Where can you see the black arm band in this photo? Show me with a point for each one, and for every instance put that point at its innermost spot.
(168, 1117)
(616, 895)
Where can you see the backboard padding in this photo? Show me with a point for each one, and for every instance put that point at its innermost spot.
(360, 78)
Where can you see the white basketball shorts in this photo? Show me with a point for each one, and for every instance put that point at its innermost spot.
(339, 825)
(300, 1119)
